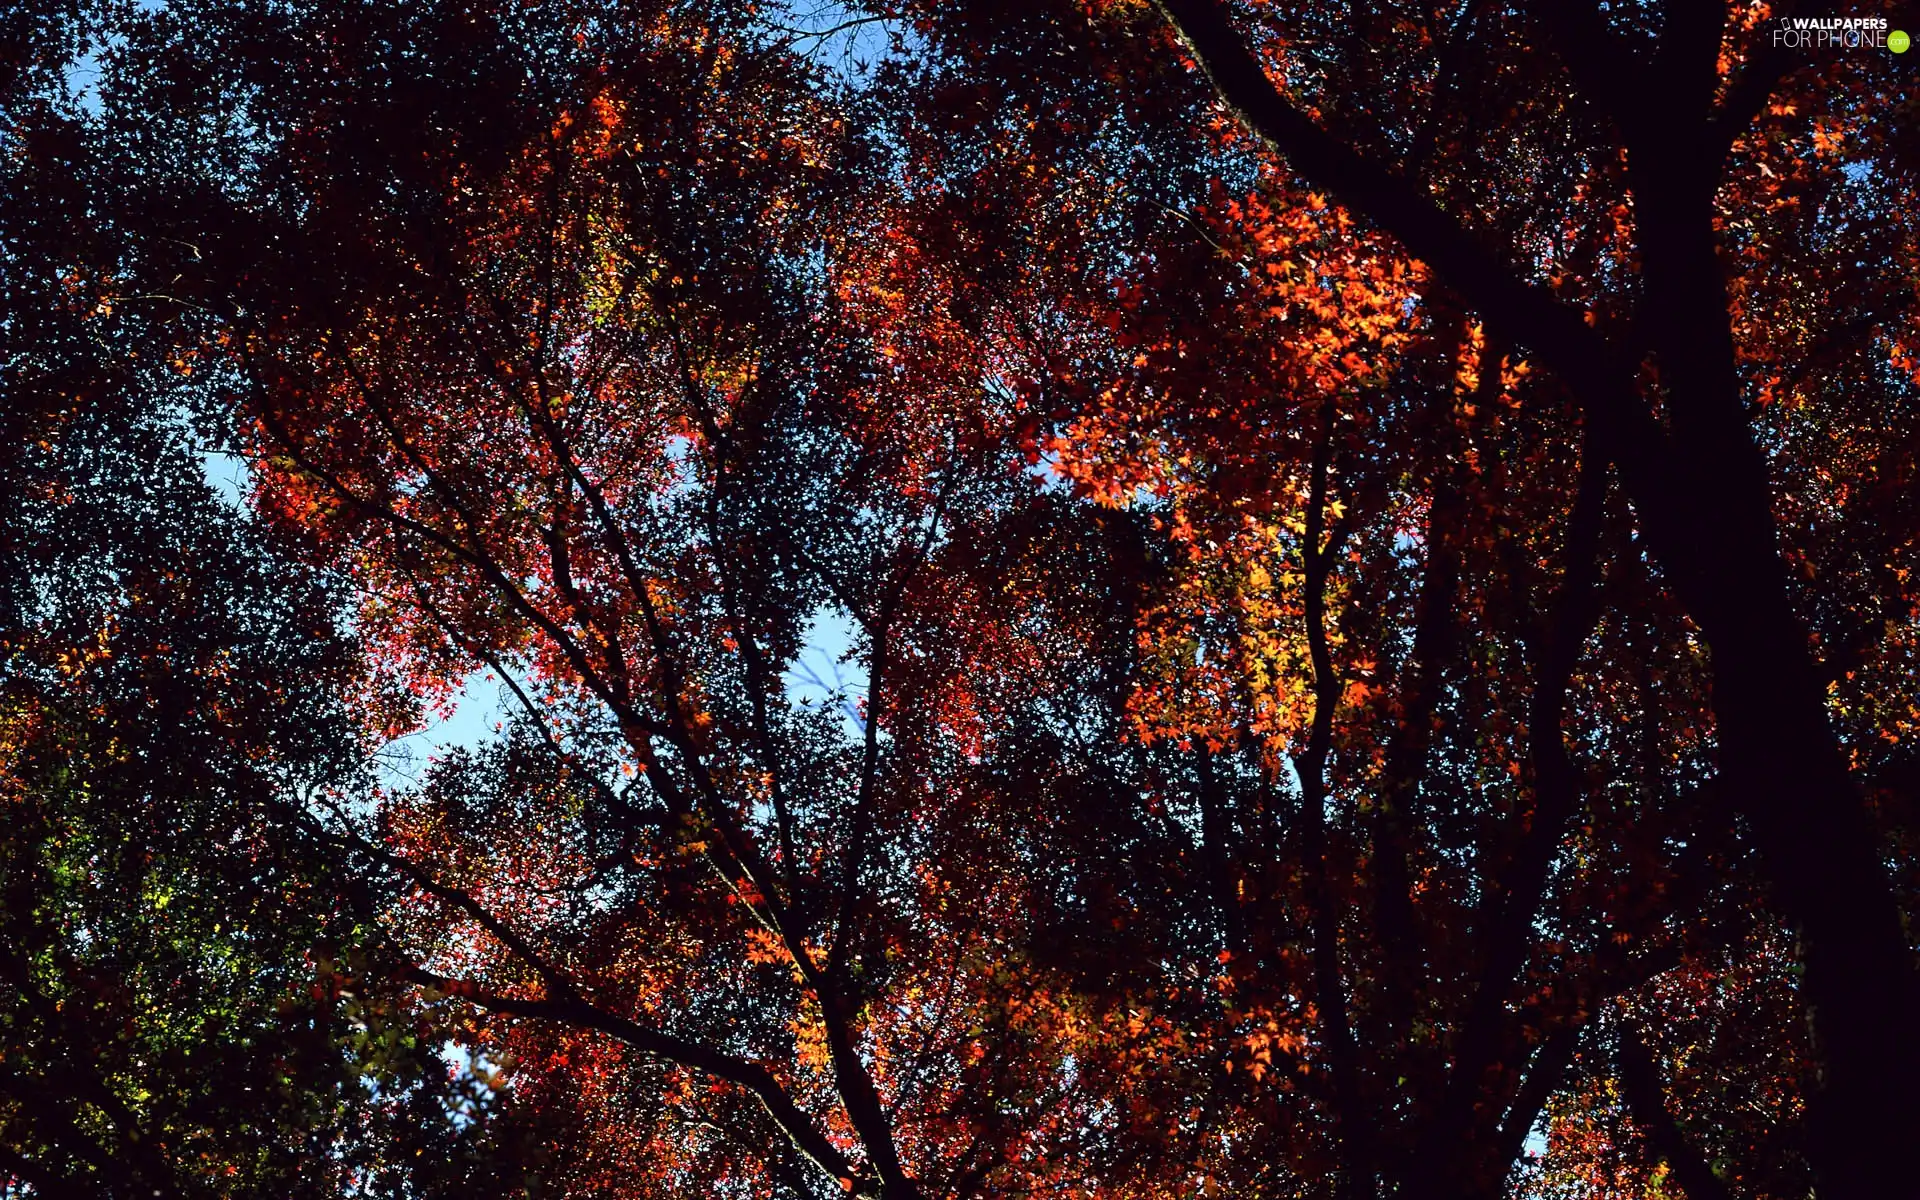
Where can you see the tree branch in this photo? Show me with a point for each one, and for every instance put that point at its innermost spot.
(569, 1009)
(1646, 1098)
(1513, 896)
(1355, 1125)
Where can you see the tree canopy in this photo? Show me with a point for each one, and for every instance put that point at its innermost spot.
(1088, 598)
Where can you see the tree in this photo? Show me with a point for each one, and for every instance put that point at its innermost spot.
(540, 355)
(1689, 459)
(1361, 656)
(1376, 136)
(192, 1001)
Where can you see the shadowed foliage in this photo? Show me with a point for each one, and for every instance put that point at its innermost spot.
(1366, 553)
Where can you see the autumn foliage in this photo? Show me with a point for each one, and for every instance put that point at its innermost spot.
(1090, 599)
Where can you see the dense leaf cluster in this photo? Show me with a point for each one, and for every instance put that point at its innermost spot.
(1087, 598)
